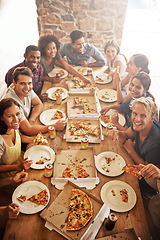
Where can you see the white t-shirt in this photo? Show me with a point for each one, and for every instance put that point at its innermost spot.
(25, 107)
(121, 59)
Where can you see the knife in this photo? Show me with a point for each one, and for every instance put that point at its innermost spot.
(93, 229)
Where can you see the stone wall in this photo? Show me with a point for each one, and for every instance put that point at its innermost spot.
(100, 20)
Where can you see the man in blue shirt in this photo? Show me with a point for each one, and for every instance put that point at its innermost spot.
(78, 52)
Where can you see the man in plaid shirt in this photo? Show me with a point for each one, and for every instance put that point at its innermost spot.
(32, 60)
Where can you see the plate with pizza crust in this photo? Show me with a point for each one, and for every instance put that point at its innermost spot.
(39, 152)
(110, 195)
(29, 189)
(51, 116)
(107, 117)
(62, 72)
(55, 90)
(110, 164)
(102, 78)
(107, 95)
(81, 70)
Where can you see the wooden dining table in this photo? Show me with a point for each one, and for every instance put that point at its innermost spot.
(32, 226)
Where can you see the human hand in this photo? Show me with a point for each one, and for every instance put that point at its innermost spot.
(13, 211)
(31, 121)
(60, 125)
(20, 177)
(44, 97)
(83, 63)
(25, 164)
(87, 81)
(114, 118)
(56, 80)
(149, 171)
(129, 146)
(104, 110)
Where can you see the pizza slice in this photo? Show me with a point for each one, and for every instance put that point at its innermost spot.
(79, 100)
(22, 198)
(87, 109)
(39, 139)
(124, 195)
(67, 173)
(80, 210)
(133, 170)
(42, 160)
(80, 132)
(61, 72)
(94, 131)
(39, 198)
(57, 115)
(106, 119)
(58, 91)
(82, 173)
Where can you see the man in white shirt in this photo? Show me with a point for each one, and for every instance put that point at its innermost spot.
(21, 91)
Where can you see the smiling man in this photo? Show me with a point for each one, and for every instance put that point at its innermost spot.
(32, 60)
(145, 132)
(21, 91)
(80, 53)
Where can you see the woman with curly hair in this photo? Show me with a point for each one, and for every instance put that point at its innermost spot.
(49, 46)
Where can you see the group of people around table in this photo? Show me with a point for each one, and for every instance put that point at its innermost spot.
(22, 105)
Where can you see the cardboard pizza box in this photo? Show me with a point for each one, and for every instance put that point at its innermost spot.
(127, 234)
(88, 106)
(74, 158)
(94, 123)
(84, 88)
(57, 212)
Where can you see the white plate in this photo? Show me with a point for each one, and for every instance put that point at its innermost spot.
(121, 118)
(57, 70)
(34, 153)
(103, 77)
(29, 189)
(80, 69)
(50, 91)
(114, 167)
(115, 202)
(109, 94)
(48, 114)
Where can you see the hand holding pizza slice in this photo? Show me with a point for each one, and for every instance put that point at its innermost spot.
(133, 170)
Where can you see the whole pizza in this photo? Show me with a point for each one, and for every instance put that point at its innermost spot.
(80, 210)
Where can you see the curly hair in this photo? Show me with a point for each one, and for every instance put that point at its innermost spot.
(44, 40)
(4, 104)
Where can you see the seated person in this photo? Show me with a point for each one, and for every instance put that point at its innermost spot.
(78, 52)
(115, 58)
(21, 91)
(139, 87)
(32, 60)
(49, 47)
(12, 210)
(10, 139)
(151, 173)
(145, 131)
(142, 139)
(136, 64)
